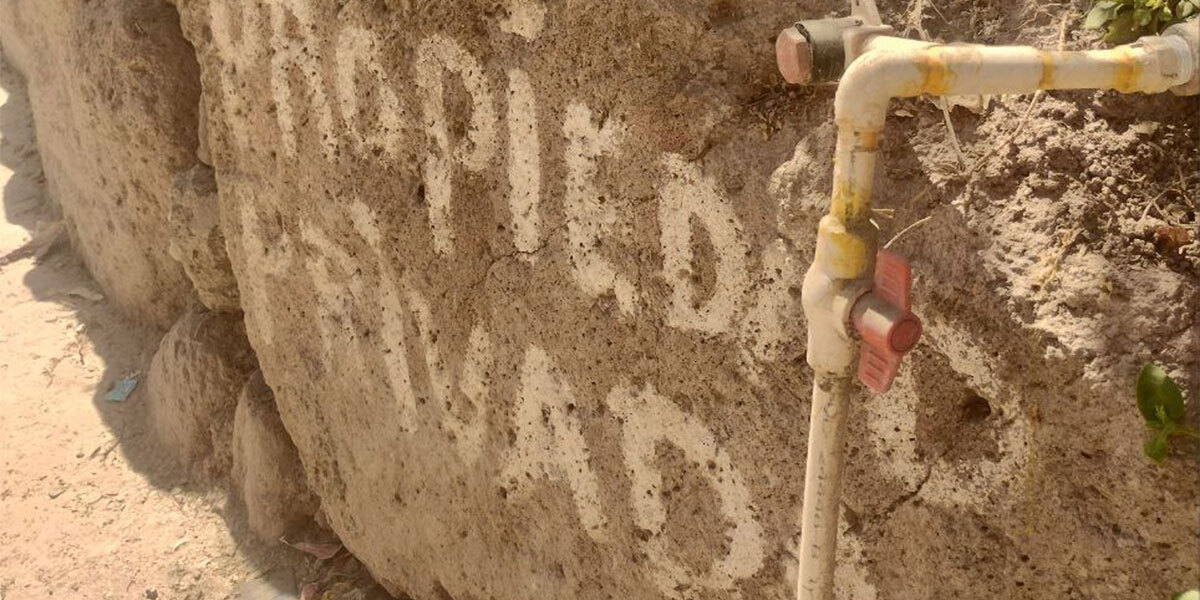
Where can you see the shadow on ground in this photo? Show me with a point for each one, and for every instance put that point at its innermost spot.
(125, 349)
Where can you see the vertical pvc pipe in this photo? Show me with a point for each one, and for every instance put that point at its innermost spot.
(854, 175)
(822, 486)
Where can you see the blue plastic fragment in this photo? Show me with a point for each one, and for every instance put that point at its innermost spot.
(122, 389)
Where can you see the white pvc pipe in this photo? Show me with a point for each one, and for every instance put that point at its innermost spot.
(895, 70)
(822, 485)
(892, 68)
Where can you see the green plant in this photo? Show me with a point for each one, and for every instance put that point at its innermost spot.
(1188, 595)
(1161, 404)
(1127, 20)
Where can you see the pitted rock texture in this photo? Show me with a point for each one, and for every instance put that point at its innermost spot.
(548, 332)
(524, 279)
(197, 241)
(267, 475)
(115, 94)
(193, 386)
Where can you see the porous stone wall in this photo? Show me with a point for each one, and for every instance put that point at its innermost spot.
(115, 93)
(524, 276)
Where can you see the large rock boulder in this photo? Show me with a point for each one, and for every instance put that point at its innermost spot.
(115, 93)
(524, 278)
(193, 386)
(267, 475)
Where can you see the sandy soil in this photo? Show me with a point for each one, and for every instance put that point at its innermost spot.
(87, 509)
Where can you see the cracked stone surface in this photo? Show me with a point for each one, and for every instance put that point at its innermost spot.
(197, 241)
(524, 281)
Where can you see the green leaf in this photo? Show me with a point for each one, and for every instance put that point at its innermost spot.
(1122, 29)
(1104, 11)
(1186, 9)
(1097, 17)
(1188, 595)
(1147, 400)
(1143, 16)
(1156, 447)
(1158, 397)
(1163, 18)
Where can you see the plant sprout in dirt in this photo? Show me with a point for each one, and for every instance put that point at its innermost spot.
(1161, 403)
(1127, 20)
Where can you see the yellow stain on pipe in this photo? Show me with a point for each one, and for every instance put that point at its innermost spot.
(851, 200)
(868, 141)
(840, 207)
(1129, 70)
(844, 253)
(1049, 64)
(937, 74)
(860, 203)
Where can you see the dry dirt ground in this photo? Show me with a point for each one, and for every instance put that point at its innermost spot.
(87, 509)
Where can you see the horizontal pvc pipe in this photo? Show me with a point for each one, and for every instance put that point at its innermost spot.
(894, 70)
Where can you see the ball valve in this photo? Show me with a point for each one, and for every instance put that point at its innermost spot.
(885, 323)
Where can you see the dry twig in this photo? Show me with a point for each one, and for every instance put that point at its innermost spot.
(915, 225)
(915, 18)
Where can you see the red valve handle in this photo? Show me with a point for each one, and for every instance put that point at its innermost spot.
(883, 318)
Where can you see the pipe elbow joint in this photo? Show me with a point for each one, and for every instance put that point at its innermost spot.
(874, 78)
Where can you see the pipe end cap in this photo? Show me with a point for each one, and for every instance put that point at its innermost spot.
(793, 55)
